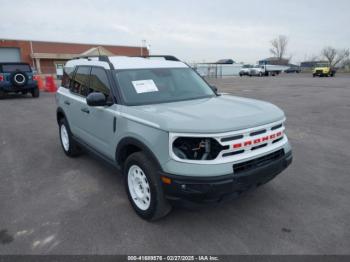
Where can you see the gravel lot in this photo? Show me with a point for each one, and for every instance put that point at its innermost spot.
(50, 204)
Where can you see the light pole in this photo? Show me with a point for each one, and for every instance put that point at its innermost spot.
(149, 49)
(143, 43)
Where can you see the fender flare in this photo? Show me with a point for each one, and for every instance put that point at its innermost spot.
(131, 141)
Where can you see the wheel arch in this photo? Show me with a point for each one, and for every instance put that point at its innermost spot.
(130, 145)
(60, 114)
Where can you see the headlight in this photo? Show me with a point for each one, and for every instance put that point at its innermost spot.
(195, 148)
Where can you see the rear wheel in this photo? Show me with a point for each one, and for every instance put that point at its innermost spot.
(35, 92)
(69, 146)
(144, 187)
(2, 94)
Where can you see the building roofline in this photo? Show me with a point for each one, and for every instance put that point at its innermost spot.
(61, 42)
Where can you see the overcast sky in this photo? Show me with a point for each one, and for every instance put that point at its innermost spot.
(192, 30)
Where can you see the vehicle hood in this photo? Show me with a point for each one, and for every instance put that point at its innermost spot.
(211, 115)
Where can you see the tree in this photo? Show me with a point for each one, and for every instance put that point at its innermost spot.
(346, 64)
(279, 46)
(335, 56)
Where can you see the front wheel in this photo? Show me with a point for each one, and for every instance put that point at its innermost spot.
(144, 187)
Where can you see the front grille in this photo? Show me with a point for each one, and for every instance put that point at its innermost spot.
(276, 127)
(258, 132)
(318, 71)
(259, 146)
(230, 138)
(251, 164)
(233, 153)
(241, 145)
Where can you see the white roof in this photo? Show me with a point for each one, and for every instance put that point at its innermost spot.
(82, 61)
(125, 62)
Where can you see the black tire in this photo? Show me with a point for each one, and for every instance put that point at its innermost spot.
(35, 92)
(73, 149)
(313, 75)
(158, 206)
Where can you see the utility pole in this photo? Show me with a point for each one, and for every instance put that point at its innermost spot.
(143, 43)
(149, 49)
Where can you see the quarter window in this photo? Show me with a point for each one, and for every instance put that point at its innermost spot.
(68, 73)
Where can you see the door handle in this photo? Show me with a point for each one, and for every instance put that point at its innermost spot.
(114, 124)
(67, 102)
(85, 110)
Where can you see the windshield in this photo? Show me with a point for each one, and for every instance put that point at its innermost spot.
(161, 85)
(322, 65)
(15, 67)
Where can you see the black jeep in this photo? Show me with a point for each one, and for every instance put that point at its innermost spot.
(17, 78)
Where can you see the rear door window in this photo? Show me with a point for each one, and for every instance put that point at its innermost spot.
(80, 84)
(99, 81)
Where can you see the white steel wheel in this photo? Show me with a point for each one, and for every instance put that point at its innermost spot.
(139, 187)
(64, 137)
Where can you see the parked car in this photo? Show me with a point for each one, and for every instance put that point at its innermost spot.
(173, 136)
(323, 70)
(17, 78)
(293, 69)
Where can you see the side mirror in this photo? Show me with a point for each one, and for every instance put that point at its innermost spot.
(96, 99)
(215, 89)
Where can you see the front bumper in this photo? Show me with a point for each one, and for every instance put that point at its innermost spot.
(189, 191)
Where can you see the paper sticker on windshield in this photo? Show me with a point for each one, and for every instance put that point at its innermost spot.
(144, 86)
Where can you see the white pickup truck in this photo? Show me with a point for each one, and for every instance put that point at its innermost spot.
(261, 70)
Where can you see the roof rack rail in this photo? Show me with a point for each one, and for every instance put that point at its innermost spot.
(166, 57)
(102, 58)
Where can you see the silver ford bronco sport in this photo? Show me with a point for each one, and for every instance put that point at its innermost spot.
(175, 139)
